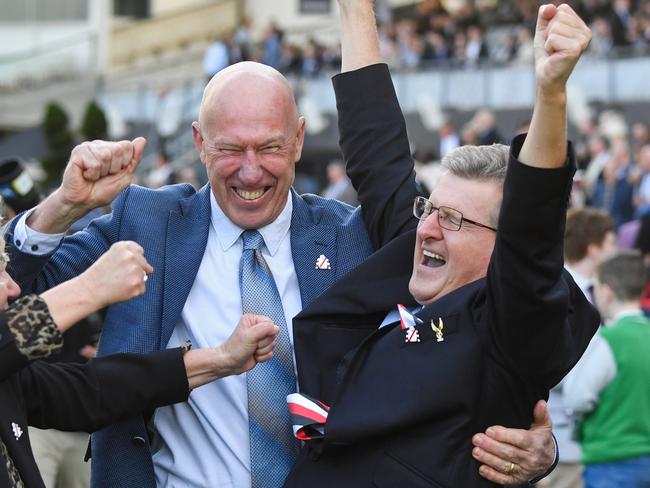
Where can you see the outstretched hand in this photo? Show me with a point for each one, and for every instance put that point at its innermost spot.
(515, 456)
(561, 36)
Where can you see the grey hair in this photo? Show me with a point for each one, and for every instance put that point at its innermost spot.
(478, 162)
(486, 163)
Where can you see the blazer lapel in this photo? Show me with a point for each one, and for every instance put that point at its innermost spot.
(310, 241)
(376, 285)
(187, 236)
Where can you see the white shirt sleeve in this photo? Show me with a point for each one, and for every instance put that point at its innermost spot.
(584, 383)
(32, 242)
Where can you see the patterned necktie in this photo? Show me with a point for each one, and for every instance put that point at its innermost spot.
(273, 448)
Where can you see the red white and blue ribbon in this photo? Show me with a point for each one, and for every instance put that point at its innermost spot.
(407, 322)
(308, 416)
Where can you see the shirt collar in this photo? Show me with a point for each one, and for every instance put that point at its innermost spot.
(629, 312)
(228, 233)
(582, 281)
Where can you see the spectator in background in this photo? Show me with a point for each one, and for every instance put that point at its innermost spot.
(449, 139)
(163, 172)
(340, 187)
(640, 136)
(311, 63)
(215, 59)
(643, 194)
(486, 127)
(609, 388)
(589, 239)
(602, 41)
(614, 188)
(475, 47)
(272, 46)
(435, 48)
(525, 54)
(598, 150)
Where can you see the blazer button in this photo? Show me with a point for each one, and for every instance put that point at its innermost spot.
(139, 441)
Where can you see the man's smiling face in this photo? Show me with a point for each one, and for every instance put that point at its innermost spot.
(250, 139)
(445, 260)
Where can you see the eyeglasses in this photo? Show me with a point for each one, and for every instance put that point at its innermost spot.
(448, 218)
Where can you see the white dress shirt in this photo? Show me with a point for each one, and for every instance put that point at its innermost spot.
(204, 441)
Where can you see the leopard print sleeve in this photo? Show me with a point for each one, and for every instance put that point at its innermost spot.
(29, 320)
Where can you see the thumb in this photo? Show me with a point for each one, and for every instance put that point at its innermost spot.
(544, 16)
(138, 149)
(541, 417)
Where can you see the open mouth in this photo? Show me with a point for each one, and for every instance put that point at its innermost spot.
(251, 195)
(433, 260)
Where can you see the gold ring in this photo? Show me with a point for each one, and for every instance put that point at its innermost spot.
(510, 470)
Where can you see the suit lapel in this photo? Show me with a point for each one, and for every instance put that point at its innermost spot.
(187, 236)
(376, 285)
(310, 241)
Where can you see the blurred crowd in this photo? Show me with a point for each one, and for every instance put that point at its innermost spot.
(444, 33)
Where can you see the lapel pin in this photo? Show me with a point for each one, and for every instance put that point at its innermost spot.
(17, 430)
(407, 323)
(438, 330)
(412, 335)
(322, 262)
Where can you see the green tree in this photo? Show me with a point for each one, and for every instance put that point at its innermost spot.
(59, 139)
(94, 124)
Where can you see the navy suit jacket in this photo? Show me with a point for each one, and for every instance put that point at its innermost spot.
(403, 414)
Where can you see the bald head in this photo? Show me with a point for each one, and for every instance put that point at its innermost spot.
(247, 81)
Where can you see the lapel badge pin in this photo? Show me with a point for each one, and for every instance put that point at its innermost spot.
(412, 335)
(17, 430)
(322, 262)
(407, 323)
(438, 330)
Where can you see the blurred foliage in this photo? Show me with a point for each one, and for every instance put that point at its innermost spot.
(94, 124)
(60, 142)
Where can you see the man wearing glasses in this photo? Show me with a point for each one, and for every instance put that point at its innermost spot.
(489, 322)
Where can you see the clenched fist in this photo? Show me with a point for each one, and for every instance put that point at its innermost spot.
(561, 37)
(119, 275)
(99, 170)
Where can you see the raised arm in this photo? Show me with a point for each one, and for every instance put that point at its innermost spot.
(512, 456)
(372, 129)
(561, 37)
(359, 43)
(96, 173)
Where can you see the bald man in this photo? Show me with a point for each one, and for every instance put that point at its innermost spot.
(246, 242)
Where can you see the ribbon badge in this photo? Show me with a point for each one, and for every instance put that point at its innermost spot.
(308, 416)
(438, 329)
(407, 322)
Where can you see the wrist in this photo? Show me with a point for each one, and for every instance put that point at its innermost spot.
(55, 214)
(90, 284)
(552, 96)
